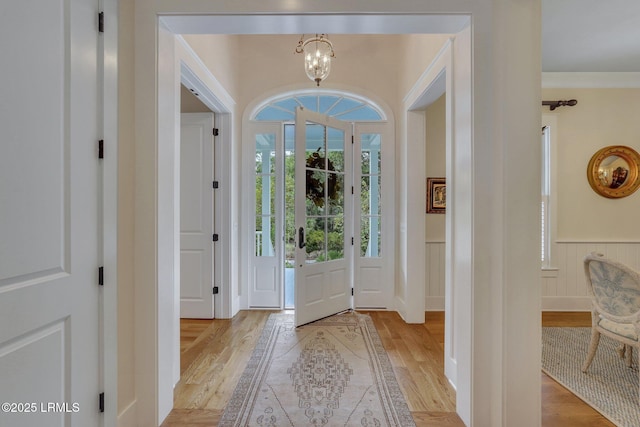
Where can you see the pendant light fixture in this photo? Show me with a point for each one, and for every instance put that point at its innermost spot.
(318, 52)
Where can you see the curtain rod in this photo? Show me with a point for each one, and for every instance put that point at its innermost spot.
(555, 104)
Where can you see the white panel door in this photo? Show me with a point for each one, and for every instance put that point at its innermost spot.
(49, 201)
(324, 212)
(196, 216)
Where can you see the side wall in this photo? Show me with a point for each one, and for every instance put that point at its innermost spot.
(586, 221)
(435, 223)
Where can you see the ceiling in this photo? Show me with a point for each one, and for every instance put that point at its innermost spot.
(591, 35)
(577, 35)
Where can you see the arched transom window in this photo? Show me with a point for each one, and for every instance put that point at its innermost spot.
(334, 104)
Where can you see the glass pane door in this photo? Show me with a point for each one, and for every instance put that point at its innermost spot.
(323, 216)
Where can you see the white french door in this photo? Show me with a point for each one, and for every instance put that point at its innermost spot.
(323, 216)
(196, 216)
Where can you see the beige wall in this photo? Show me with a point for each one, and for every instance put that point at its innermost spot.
(435, 162)
(219, 54)
(261, 64)
(418, 51)
(365, 62)
(189, 103)
(602, 117)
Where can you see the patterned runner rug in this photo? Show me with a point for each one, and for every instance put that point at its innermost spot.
(609, 386)
(333, 372)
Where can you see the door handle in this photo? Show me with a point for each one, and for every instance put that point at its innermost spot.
(301, 243)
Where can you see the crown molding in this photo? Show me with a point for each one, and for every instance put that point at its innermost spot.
(591, 80)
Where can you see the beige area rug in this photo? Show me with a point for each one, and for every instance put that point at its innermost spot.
(608, 386)
(333, 372)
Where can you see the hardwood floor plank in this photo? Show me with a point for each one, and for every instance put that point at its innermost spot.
(214, 354)
(428, 419)
(566, 318)
(192, 418)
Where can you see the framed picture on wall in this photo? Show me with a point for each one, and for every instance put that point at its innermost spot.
(436, 195)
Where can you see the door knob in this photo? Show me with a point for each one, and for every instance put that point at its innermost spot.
(301, 243)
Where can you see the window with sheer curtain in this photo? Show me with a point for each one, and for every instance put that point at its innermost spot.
(545, 223)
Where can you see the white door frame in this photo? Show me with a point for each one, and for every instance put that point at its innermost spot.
(503, 375)
(197, 243)
(195, 75)
(108, 120)
(434, 82)
(177, 65)
(380, 268)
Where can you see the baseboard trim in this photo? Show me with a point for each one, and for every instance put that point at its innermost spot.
(128, 417)
(566, 304)
(434, 304)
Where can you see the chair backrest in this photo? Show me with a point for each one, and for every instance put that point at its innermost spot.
(614, 287)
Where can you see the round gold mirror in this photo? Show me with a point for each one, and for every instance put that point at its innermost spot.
(613, 171)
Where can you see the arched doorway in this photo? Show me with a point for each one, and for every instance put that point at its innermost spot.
(268, 165)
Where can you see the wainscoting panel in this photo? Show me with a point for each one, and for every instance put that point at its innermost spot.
(563, 287)
(434, 276)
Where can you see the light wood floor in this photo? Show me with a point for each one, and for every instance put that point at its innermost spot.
(214, 354)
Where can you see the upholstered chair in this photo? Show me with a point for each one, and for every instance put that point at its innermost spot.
(615, 295)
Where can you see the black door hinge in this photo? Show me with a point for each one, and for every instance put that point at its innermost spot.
(101, 22)
(352, 139)
(215, 184)
(101, 402)
(101, 149)
(101, 276)
(352, 241)
(215, 290)
(216, 132)
(351, 291)
(215, 237)
(352, 189)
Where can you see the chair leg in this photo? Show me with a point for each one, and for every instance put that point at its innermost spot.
(593, 346)
(621, 349)
(626, 353)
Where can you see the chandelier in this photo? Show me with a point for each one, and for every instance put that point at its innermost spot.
(318, 52)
